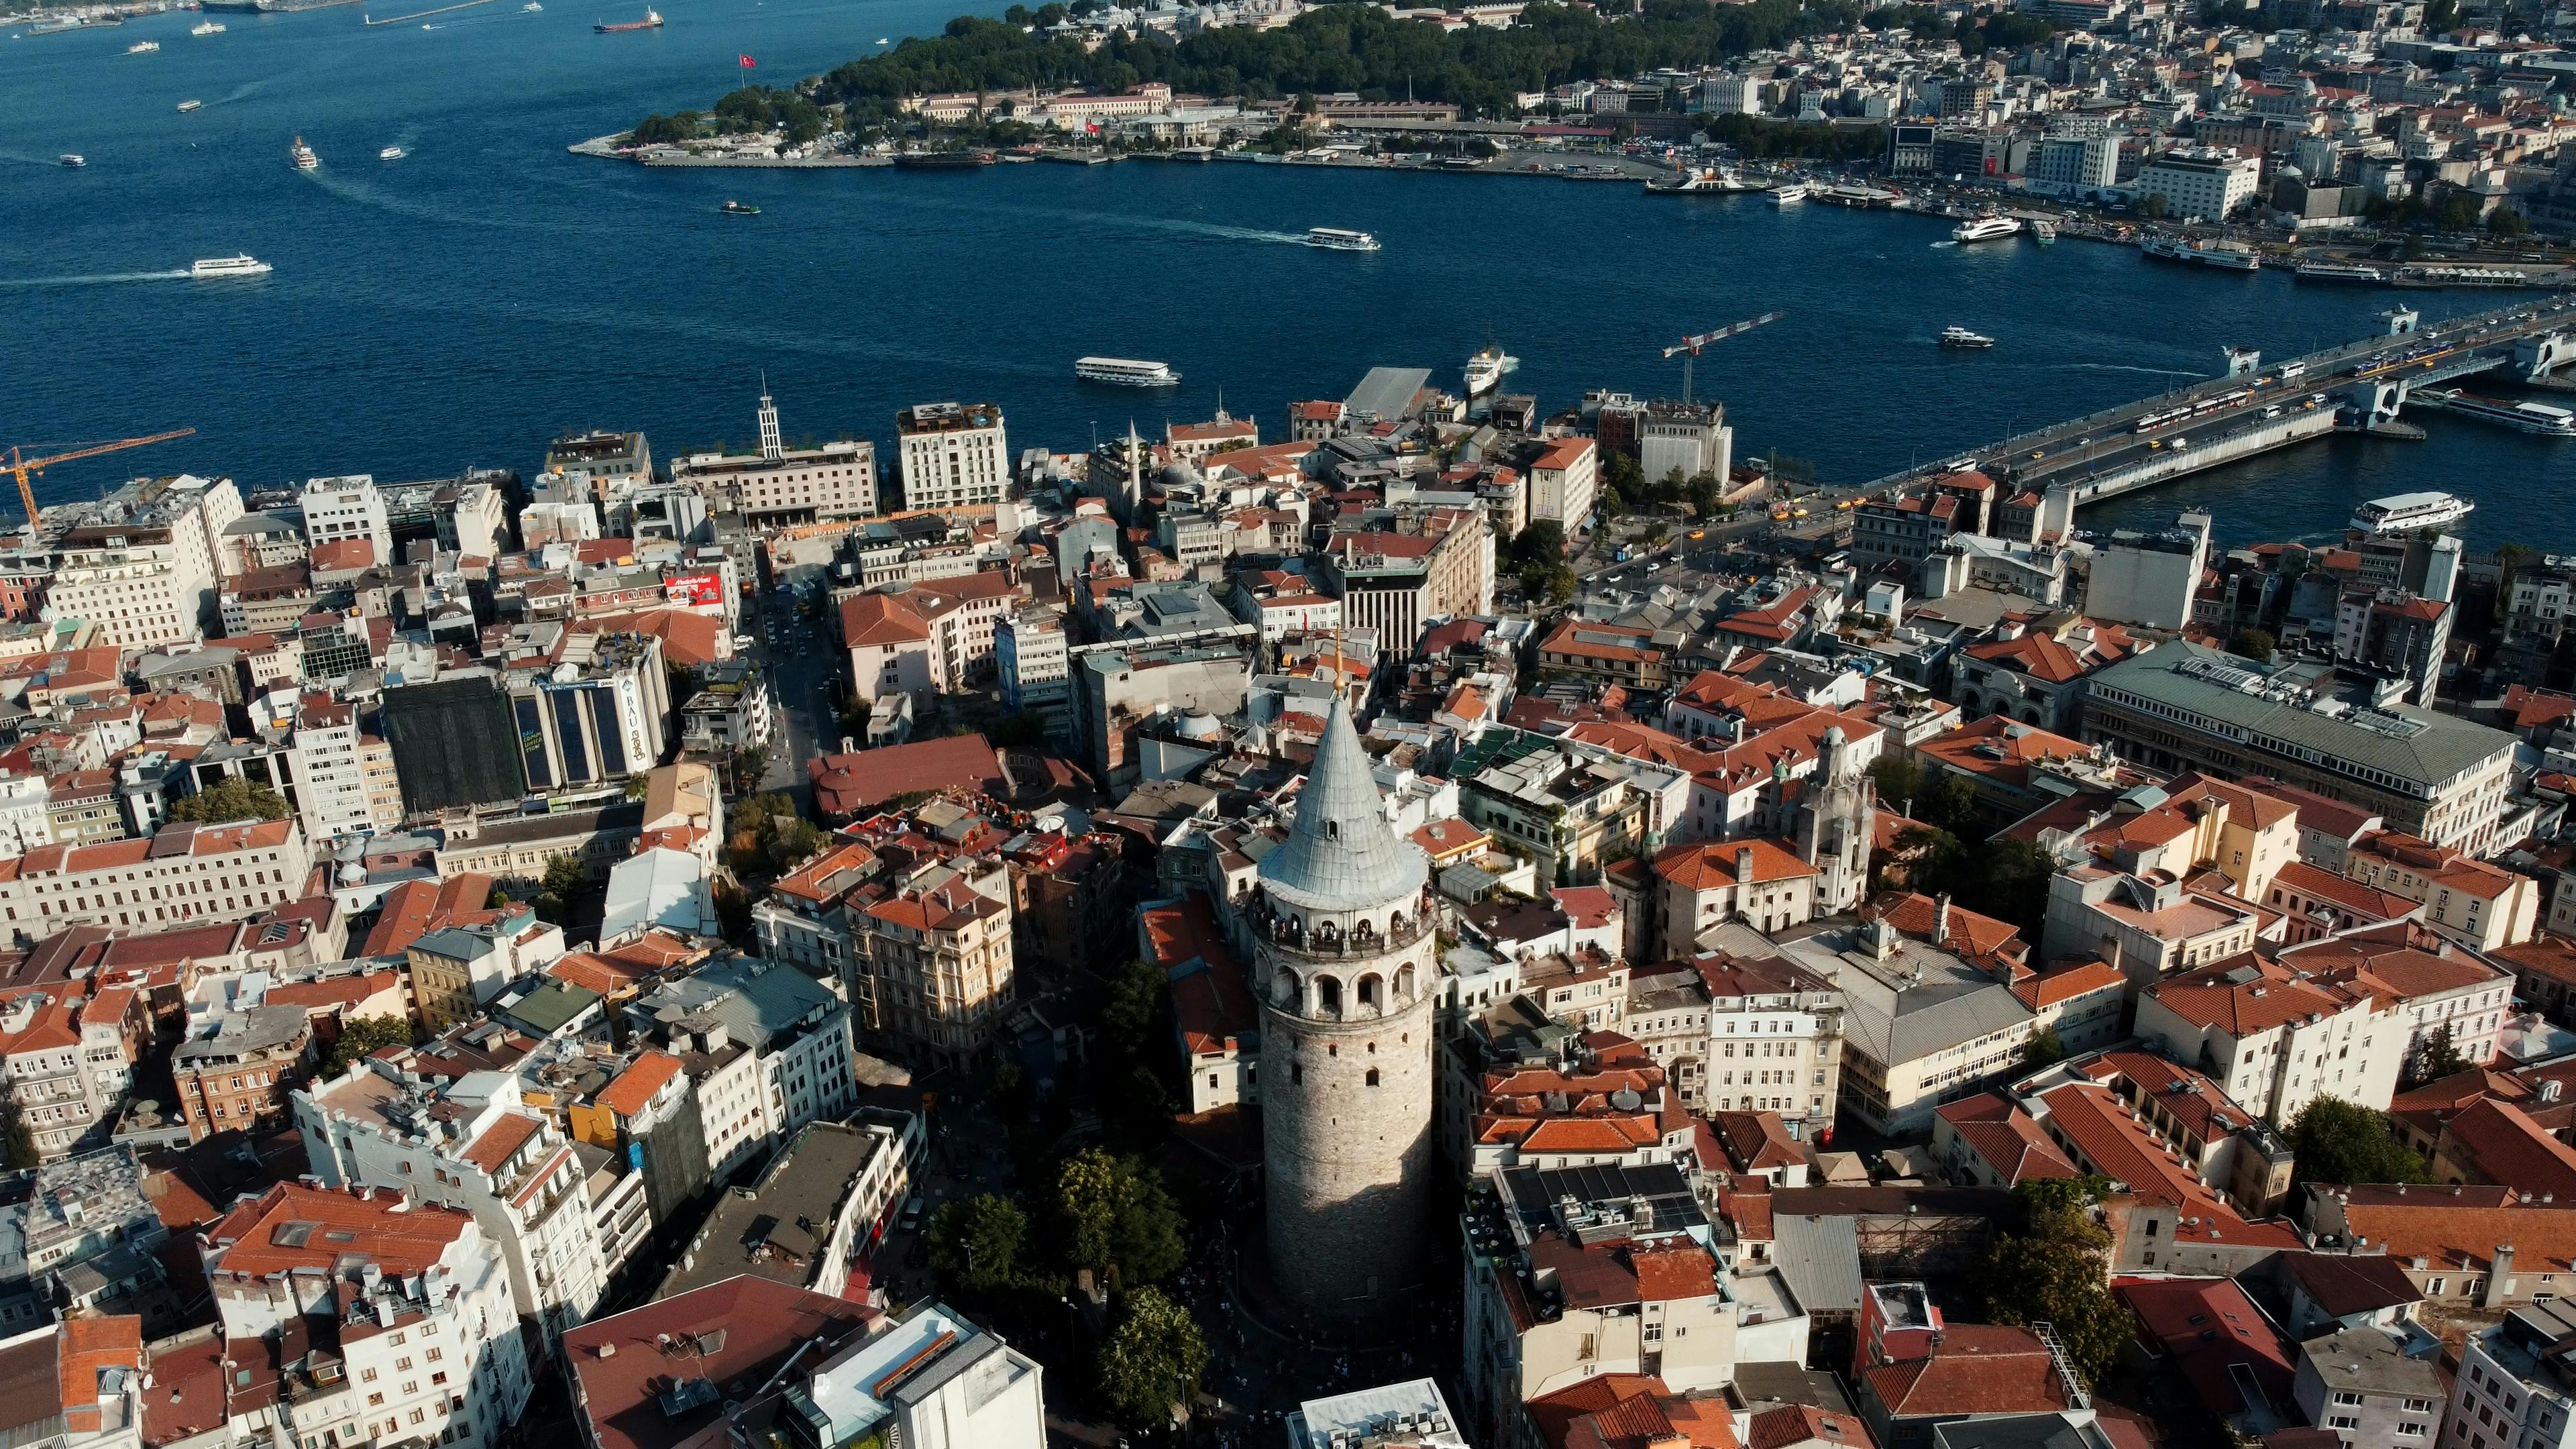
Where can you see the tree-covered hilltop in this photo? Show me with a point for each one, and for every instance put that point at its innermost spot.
(1338, 48)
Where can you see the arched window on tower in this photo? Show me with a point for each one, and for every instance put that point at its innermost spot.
(1328, 996)
(1372, 1076)
(1372, 994)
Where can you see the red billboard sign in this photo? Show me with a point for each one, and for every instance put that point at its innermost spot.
(694, 589)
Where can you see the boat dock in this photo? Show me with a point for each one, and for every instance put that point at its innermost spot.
(2360, 387)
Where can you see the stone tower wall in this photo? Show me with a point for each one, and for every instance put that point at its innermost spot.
(1349, 1165)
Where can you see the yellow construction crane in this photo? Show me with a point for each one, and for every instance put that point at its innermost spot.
(24, 464)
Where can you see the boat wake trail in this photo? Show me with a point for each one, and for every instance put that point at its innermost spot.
(17, 159)
(2127, 367)
(1940, 246)
(1171, 225)
(242, 92)
(400, 206)
(100, 279)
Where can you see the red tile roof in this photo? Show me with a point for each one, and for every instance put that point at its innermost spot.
(258, 1238)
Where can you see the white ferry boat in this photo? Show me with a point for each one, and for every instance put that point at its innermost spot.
(1701, 181)
(207, 27)
(2175, 249)
(1790, 194)
(1961, 337)
(2044, 233)
(2525, 417)
(1985, 228)
(1485, 370)
(73, 160)
(2406, 512)
(1335, 238)
(302, 155)
(143, 47)
(2337, 272)
(186, 106)
(244, 265)
(1125, 371)
(392, 153)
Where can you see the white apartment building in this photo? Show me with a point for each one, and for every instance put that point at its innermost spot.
(2209, 184)
(413, 1298)
(1774, 1036)
(344, 508)
(1692, 438)
(768, 1047)
(23, 825)
(1036, 662)
(183, 873)
(2273, 1039)
(955, 455)
(2514, 1389)
(331, 779)
(468, 1144)
(141, 563)
(1564, 482)
(932, 1380)
(779, 484)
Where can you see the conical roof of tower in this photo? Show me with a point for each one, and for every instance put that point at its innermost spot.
(1341, 854)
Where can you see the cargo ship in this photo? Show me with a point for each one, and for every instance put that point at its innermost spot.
(652, 21)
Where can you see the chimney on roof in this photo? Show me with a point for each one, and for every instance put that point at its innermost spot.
(2499, 1278)
(1882, 939)
(1744, 865)
(1941, 919)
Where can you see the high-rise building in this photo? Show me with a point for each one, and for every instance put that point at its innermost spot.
(955, 455)
(1346, 965)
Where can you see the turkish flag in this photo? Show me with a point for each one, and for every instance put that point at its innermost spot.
(746, 61)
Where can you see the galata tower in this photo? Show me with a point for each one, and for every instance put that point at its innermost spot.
(1345, 963)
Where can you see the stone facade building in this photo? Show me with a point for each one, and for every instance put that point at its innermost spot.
(1345, 963)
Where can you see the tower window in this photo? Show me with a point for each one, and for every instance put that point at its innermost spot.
(1372, 1076)
(1297, 1072)
(1332, 830)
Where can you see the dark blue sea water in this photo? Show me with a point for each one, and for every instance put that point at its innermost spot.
(463, 305)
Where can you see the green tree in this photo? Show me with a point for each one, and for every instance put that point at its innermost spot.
(2458, 212)
(1152, 1360)
(2253, 644)
(361, 1039)
(2504, 221)
(1114, 1216)
(232, 798)
(2154, 207)
(2047, 1049)
(2439, 1058)
(979, 1244)
(2057, 1271)
(564, 880)
(1541, 542)
(20, 1143)
(1898, 779)
(1550, 584)
(2334, 1140)
(1131, 1081)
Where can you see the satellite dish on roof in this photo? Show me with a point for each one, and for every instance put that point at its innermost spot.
(1626, 1100)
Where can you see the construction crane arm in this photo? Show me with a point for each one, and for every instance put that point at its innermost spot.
(1692, 345)
(24, 466)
